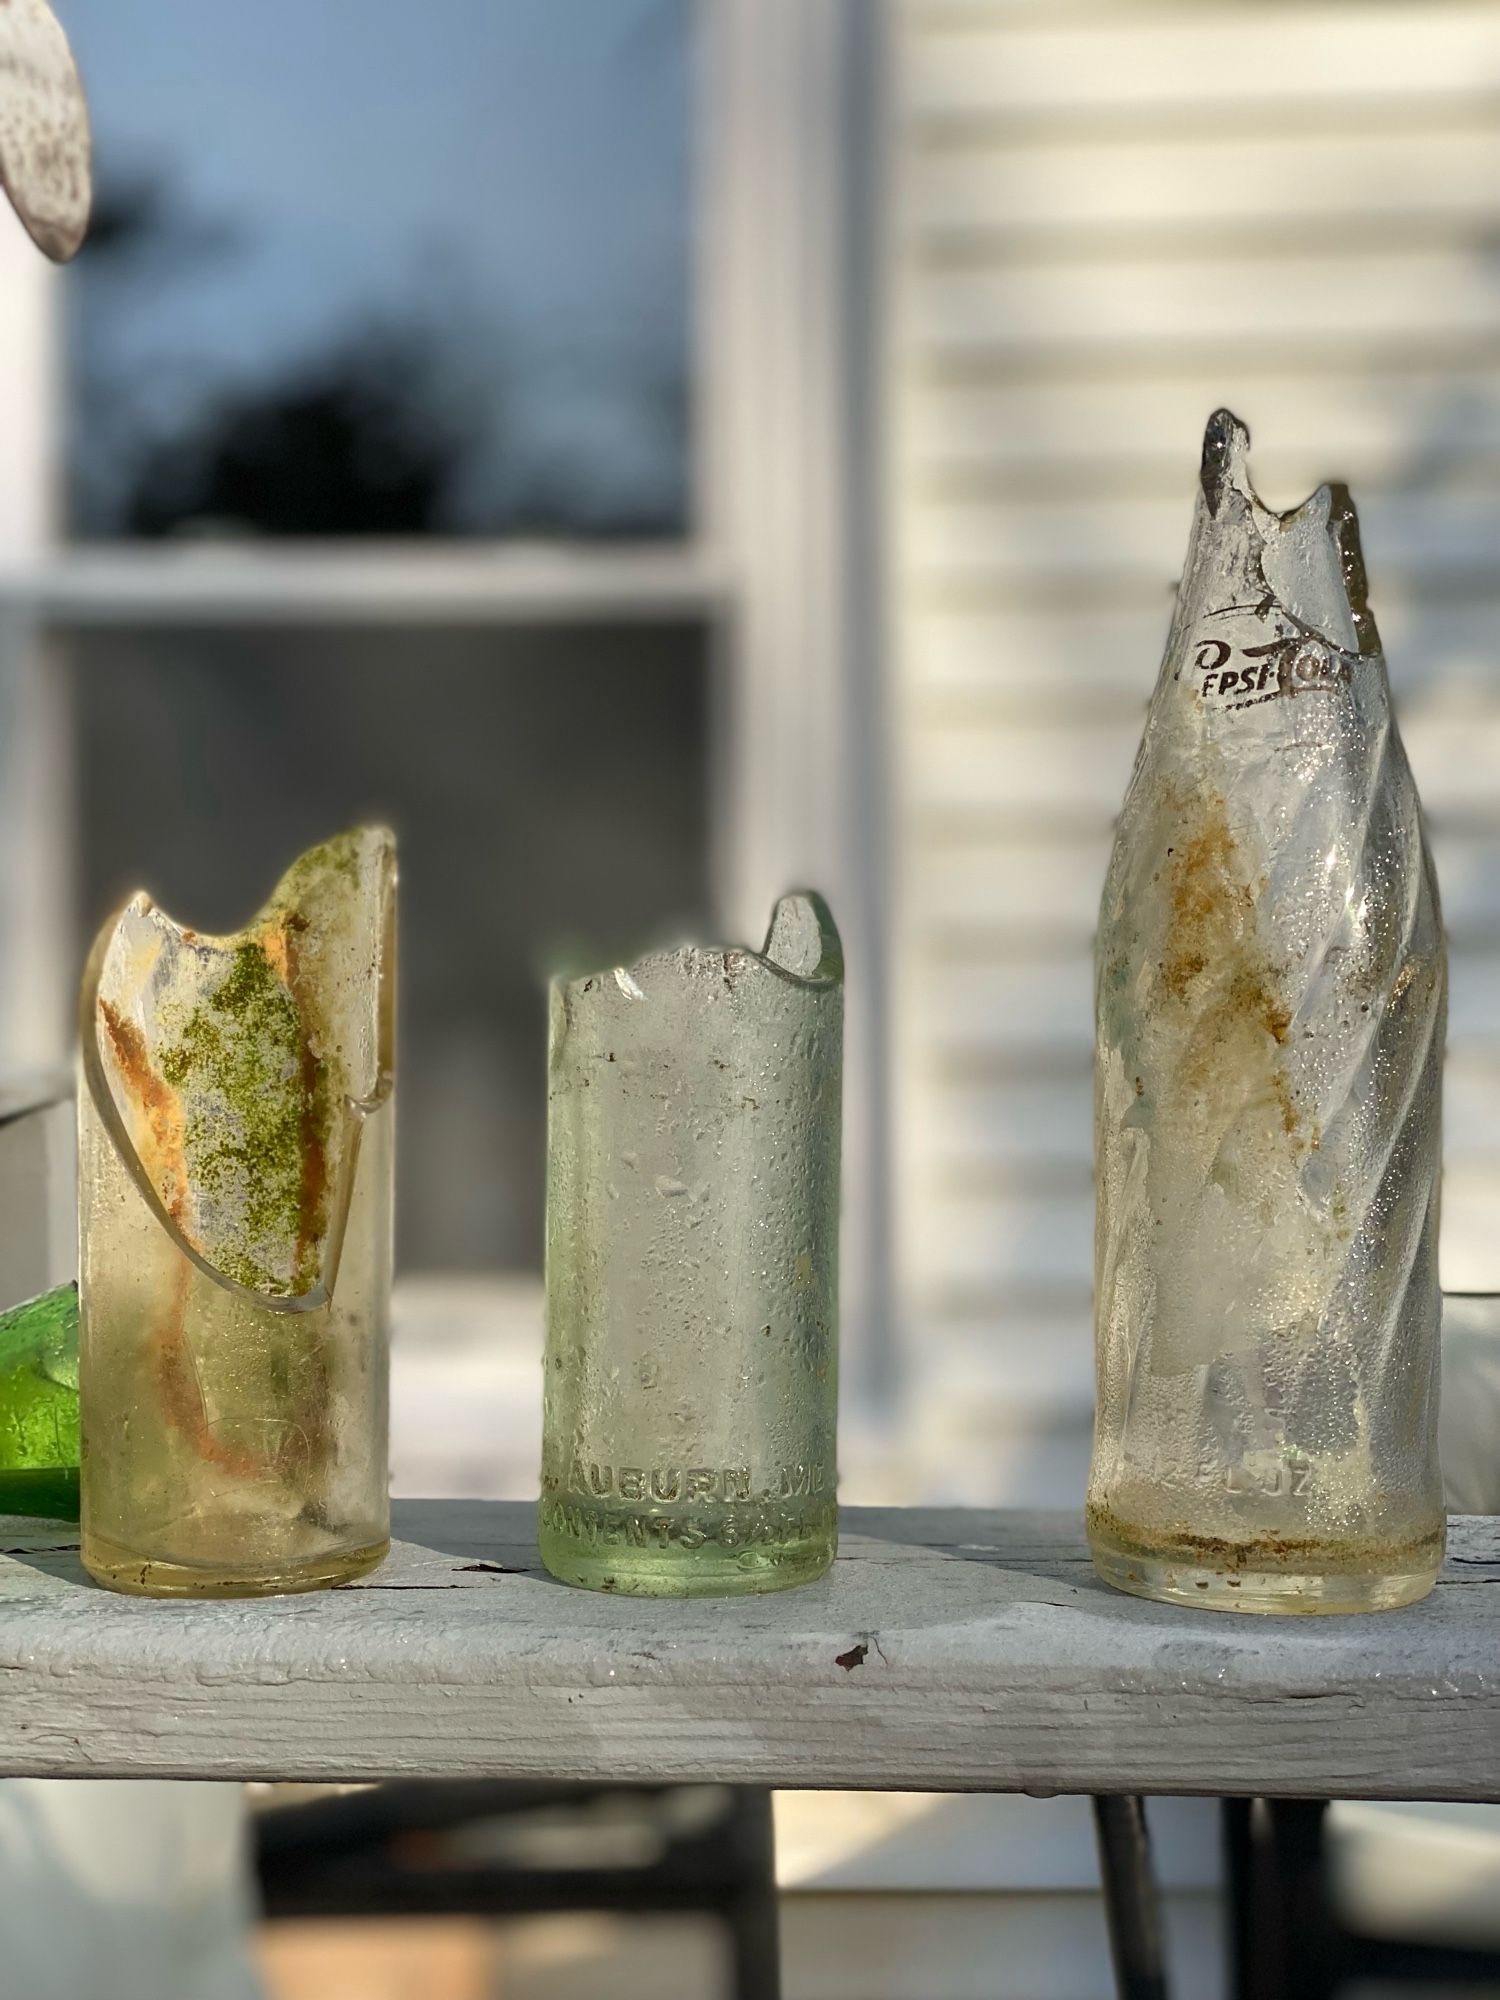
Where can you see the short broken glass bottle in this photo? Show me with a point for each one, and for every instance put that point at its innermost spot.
(692, 1267)
(1271, 988)
(235, 1164)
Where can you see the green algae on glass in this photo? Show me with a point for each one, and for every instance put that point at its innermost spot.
(240, 1067)
(39, 1406)
(245, 1039)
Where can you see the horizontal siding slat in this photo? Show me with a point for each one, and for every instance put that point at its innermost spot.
(1065, 653)
(1016, 1368)
(1069, 765)
(1224, 53)
(1225, 355)
(1468, 871)
(1021, 1006)
(1074, 762)
(1107, 305)
(1470, 1258)
(1378, 176)
(982, 1138)
(1080, 657)
(1322, 244)
(1022, 886)
(1439, 534)
(993, 1247)
(1122, 478)
(1011, 885)
(994, 1131)
(1018, 1241)
(1370, 430)
(1141, 121)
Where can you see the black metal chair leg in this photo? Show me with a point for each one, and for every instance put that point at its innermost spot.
(1309, 1968)
(1132, 1907)
(1237, 1817)
(753, 1914)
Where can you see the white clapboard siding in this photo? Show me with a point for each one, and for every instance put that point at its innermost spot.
(1235, 59)
(1449, 534)
(1048, 200)
(1017, 1009)
(1364, 426)
(1044, 656)
(1102, 306)
(1016, 888)
(1014, 894)
(1020, 1135)
(1469, 874)
(1471, 1203)
(1078, 656)
(1010, 1132)
(1106, 218)
(1038, 1246)
(1013, 1364)
(1082, 758)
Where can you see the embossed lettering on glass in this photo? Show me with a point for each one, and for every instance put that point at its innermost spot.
(692, 1267)
(235, 1163)
(1271, 1001)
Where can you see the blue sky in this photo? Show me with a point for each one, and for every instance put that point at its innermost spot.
(515, 171)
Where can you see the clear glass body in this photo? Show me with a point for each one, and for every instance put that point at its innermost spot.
(1271, 1005)
(692, 1267)
(235, 1212)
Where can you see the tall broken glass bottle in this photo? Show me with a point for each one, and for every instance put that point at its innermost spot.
(692, 1267)
(235, 1162)
(1271, 990)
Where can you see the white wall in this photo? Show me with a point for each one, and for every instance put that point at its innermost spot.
(1107, 220)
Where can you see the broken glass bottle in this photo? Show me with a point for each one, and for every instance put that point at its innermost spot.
(1271, 991)
(692, 1267)
(235, 1160)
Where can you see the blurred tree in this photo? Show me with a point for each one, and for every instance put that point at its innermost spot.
(355, 443)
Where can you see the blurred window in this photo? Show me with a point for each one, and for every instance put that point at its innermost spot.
(363, 267)
(380, 420)
(547, 786)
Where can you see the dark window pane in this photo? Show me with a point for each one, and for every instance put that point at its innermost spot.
(380, 267)
(548, 789)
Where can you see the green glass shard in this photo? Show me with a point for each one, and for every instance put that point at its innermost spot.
(39, 1406)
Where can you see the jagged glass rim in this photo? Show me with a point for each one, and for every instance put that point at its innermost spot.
(356, 1110)
(1225, 462)
(826, 976)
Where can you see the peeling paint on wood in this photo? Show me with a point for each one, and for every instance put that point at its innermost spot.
(993, 1660)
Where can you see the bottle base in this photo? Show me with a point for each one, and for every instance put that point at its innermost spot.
(1237, 1577)
(139, 1576)
(708, 1571)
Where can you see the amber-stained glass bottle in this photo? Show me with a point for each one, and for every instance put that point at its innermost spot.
(235, 1173)
(1271, 999)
